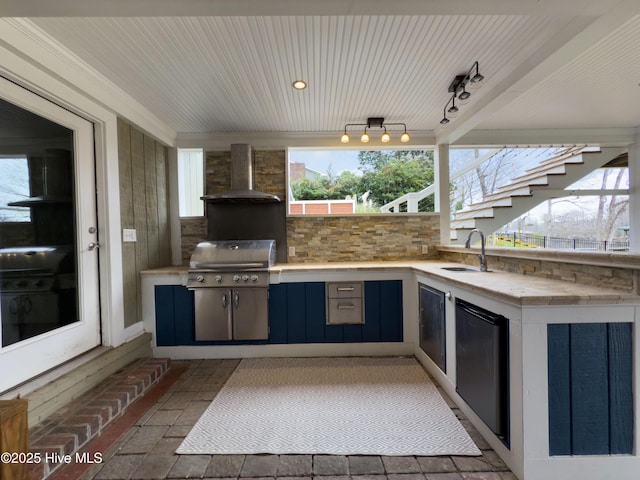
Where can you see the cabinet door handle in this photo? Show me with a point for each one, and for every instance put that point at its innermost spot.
(346, 307)
(346, 289)
(236, 299)
(224, 301)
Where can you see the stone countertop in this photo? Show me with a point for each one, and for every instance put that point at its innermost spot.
(509, 287)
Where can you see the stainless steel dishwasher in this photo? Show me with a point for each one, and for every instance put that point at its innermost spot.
(482, 365)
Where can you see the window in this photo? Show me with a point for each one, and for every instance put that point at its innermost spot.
(190, 182)
(14, 187)
(351, 181)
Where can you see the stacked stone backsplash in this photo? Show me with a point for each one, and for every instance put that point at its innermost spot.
(363, 238)
(331, 238)
(269, 175)
(622, 279)
(192, 231)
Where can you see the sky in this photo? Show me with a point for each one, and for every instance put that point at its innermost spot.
(339, 160)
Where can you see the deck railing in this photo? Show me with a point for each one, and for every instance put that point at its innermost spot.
(532, 240)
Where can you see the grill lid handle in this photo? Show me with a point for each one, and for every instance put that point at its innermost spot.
(217, 266)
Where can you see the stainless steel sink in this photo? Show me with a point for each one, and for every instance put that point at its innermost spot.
(459, 269)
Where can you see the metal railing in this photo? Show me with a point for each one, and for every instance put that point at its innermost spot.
(532, 240)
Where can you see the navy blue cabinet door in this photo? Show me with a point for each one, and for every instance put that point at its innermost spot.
(175, 323)
(297, 314)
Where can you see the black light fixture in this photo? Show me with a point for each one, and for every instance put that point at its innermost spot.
(375, 122)
(477, 79)
(464, 95)
(453, 110)
(458, 89)
(445, 120)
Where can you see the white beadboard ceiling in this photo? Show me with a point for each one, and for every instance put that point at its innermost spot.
(547, 66)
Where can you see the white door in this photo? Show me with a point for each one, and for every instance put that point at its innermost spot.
(48, 236)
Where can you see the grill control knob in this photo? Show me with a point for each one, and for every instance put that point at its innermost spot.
(200, 279)
(218, 278)
(38, 283)
(245, 278)
(236, 278)
(254, 278)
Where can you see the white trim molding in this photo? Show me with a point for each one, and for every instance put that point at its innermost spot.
(634, 197)
(22, 67)
(43, 51)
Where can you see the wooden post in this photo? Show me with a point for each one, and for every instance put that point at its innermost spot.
(14, 438)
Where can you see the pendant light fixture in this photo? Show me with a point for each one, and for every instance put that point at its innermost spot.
(375, 122)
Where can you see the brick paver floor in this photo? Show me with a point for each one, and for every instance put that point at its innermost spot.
(146, 450)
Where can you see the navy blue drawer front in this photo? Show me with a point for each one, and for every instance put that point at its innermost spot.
(297, 314)
(590, 389)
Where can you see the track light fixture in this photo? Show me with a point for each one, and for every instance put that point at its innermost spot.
(458, 89)
(445, 120)
(453, 110)
(375, 122)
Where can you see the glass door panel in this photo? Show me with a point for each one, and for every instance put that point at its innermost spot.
(49, 308)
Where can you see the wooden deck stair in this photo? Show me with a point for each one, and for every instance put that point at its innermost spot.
(527, 190)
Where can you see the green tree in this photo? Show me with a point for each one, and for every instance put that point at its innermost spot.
(389, 175)
(348, 184)
(375, 160)
(307, 189)
(386, 175)
(329, 187)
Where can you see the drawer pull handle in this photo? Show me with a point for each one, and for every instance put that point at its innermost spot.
(346, 307)
(346, 289)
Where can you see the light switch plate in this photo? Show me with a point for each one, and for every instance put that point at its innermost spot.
(425, 249)
(292, 251)
(128, 234)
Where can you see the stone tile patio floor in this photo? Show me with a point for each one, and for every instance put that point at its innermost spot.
(146, 450)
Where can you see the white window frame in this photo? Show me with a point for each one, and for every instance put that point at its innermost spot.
(191, 182)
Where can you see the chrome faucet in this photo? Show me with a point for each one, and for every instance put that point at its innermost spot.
(482, 256)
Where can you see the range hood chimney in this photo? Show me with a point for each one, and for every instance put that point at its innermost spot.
(242, 171)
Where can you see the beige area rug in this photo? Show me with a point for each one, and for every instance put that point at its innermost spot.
(339, 406)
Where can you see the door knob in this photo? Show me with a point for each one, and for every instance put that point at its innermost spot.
(93, 246)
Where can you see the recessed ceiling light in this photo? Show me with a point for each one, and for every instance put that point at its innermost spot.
(299, 84)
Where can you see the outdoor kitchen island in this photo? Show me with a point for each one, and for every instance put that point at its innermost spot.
(572, 368)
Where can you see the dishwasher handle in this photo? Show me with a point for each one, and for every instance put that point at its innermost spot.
(480, 313)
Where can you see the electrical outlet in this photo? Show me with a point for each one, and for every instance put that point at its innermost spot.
(292, 251)
(425, 249)
(128, 234)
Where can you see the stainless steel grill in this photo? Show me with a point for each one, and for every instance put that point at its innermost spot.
(230, 280)
(37, 290)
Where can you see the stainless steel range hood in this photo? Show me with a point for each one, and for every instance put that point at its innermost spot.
(242, 170)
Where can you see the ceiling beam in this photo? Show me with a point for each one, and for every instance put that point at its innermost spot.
(280, 140)
(603, 137)
(573, 40)
(157, 8)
